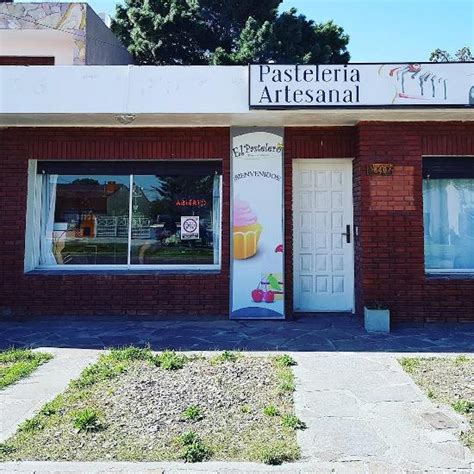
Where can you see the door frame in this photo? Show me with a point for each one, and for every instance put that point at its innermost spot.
(349, 163)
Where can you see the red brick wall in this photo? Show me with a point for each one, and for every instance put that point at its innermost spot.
(59, 294)
(389, 262)
(390, 248)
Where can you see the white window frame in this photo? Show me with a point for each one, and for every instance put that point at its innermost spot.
(32, 238)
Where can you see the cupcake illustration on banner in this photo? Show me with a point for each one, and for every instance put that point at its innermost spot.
(247, 230)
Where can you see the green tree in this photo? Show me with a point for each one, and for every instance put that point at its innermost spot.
(443, 56)
(225, 32)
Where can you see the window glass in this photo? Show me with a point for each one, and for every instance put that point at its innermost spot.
(160, 205)
(96, 219)
(84, 220)
(449, 224)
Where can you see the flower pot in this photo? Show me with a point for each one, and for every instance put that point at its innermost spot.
(377, 320)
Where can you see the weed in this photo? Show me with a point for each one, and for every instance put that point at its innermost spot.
(226, 356)
(287, 386)
(193, 413)
(169, 360)
(87, 420)
(130, 353)
(6, 449)
(31, 425)
(293, 422)
(245, 409)
(274, 453)
(409, 364)
(270, 410)
(461, 359)
(430, 393)
(51, 408)
(285, 360)
(187, 438)
(194, 450)
(463, 406)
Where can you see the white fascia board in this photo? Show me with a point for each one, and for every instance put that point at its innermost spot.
(123, 89)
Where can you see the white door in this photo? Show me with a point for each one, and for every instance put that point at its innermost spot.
(323, 238)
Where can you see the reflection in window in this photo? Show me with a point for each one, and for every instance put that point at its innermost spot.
(84, 220)
(87, 220)
(449, 224)
(158, 203)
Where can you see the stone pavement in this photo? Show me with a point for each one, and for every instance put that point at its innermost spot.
(321, 333)
(363, 409)
(363, 413)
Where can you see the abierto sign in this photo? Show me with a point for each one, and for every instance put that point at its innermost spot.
(361, 85)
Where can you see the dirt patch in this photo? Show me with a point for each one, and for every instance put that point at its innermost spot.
(138, 410)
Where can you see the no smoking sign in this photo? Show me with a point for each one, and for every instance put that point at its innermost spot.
(189, 227)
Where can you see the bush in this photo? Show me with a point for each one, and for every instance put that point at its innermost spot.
(87, 420)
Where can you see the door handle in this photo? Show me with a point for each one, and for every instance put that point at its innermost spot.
(347, 233)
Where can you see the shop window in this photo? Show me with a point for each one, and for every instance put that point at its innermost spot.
(104, 215)
(448, 203)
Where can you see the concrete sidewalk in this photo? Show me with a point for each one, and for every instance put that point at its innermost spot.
(363, 414)
(23, 399)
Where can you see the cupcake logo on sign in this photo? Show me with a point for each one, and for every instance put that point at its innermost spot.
(257, 228)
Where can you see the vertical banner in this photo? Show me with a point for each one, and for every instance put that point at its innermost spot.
(257, 235)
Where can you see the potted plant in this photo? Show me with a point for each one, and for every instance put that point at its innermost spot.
(376, 317)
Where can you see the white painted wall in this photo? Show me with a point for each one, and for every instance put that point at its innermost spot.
(123, 89)
(36, 43)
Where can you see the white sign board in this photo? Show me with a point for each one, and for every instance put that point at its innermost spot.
(189, 227)
(361, 85)
(257, 277)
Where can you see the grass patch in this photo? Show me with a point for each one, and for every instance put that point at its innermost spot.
(409, 364)
(170, 360)
(285, 360)
(463, 406)
(16, 364)
(293, 422)
(271, 410)
(274, 453)
(136, 405)
(446, 380)
(226, 356)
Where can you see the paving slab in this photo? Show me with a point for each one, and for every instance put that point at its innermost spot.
(360, 407)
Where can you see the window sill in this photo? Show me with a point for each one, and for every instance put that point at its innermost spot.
(123, 271)
(449, 276)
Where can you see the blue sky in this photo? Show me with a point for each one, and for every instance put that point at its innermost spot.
(385, 30)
